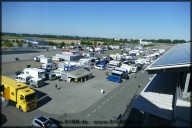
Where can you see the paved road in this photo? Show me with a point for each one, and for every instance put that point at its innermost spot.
(111, 105)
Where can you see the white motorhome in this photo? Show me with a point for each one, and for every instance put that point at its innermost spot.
(112, 64)
(58, 72)
(27, 79)
(45, 60)
(35, 72)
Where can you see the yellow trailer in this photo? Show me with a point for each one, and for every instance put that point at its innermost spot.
(24, 97)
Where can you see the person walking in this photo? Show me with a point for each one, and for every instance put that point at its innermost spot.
(56, 86)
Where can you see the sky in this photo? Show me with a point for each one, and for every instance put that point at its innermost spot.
(142, 20)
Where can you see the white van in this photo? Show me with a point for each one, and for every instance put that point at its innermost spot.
(112, 64)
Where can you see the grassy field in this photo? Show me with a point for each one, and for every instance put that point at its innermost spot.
(46, 39)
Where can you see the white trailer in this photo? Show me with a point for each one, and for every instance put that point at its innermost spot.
(45, 60)
(56, 58)
(37, 58)
(35, 72)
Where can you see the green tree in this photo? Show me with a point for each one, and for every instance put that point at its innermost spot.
(105, 43)
(72, 44)
(95, 43)
(8, 43)
(30, 45)
(20, 44)
(62, 44)
(50, 43)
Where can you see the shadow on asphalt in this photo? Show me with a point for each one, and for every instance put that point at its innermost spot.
(43, 98)
(135, 118)
(56, 122)
(3, 119)
(44, 84)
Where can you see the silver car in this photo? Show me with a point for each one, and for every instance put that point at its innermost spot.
(43, 122)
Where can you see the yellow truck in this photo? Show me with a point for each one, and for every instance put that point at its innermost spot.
(24, 97)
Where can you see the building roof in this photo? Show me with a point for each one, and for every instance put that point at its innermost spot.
(177, 58)
(79, 73)
(157, 97)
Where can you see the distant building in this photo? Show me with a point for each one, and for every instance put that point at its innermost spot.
(70, 55)
(35, 41)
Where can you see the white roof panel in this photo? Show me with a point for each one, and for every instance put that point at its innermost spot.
(157, 97)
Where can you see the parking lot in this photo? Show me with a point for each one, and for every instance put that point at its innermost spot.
(77, 100)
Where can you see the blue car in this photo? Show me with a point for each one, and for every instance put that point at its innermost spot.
(115, 78)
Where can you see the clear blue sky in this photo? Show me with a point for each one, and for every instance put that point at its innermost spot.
(145, 20)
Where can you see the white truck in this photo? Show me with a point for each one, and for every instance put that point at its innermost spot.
(112, 64)
(49, 66)
(45, 60)
(27, 79)
(37, 58)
